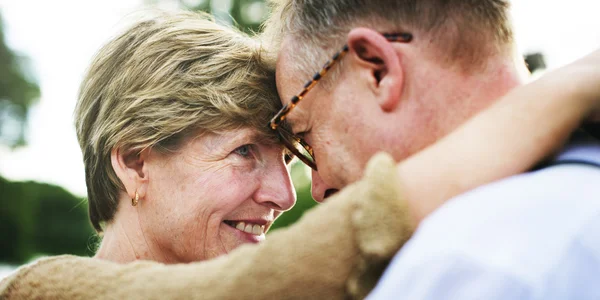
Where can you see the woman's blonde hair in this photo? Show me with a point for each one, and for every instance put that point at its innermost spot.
(160, 82)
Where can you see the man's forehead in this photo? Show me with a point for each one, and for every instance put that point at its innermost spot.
(288, 78)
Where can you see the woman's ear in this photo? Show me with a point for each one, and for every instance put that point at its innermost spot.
(131, 168)
(370, 49)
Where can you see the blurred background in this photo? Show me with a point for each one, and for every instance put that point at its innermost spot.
(45, 47)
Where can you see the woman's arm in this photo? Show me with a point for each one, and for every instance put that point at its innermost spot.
(510, 137)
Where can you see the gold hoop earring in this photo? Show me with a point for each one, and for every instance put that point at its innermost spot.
(134, 201)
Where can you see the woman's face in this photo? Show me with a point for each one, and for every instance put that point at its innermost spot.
(217, 192)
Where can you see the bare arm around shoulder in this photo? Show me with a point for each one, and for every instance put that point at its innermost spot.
(510, 137)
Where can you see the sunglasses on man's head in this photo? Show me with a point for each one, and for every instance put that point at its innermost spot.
(296, 144)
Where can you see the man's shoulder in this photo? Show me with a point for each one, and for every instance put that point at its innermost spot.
(535, 235)
(531, 195)
(520, 222)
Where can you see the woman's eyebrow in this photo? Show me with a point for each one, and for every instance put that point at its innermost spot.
(228, 140)
(248, 136)
(263, 138)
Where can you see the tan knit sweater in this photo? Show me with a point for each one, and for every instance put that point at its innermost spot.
(336, 251)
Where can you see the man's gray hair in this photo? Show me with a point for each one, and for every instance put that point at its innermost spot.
(464, 31)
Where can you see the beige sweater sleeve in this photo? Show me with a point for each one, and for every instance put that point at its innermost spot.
(336, 251)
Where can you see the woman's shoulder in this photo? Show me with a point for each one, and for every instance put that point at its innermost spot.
(25, 278)
(23, 270)
(71, 277)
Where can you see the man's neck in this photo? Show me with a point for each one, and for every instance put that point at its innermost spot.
(461, 96)
(445, 99)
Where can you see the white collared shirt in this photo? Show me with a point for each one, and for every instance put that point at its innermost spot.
(531, 236)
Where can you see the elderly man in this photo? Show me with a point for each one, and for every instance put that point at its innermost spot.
(410, 72)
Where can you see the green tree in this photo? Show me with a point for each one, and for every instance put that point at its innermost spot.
(38, 218)
(18, 91)
(535, 62)
(247, 15)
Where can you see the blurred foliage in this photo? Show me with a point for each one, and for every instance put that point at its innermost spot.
(18, 91)
(37, 218)
(535, 62)
(247, 15)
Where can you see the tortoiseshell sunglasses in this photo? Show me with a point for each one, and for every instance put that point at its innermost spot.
(296, 144)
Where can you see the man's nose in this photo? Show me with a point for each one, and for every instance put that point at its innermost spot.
(320, 190)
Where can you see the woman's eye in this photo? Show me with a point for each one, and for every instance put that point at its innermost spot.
(244, 150)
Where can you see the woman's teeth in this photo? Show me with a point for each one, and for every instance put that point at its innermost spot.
(250, 228)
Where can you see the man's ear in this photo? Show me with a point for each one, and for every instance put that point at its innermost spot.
(131, 168)
(372, 50)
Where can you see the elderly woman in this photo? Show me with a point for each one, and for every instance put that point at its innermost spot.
(180, 168)
(179, 164)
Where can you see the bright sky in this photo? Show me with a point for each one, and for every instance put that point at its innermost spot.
(61, 36)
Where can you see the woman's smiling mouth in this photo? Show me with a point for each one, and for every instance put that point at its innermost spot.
(247, 227)
(253, 229)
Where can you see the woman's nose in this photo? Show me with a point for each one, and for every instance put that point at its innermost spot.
(276, 189)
